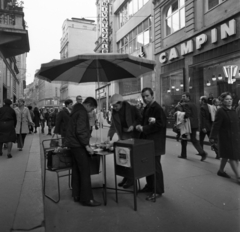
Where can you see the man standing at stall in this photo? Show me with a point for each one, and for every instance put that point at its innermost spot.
(153, 127)
(124, 119)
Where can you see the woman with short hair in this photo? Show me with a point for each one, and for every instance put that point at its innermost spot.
(227, 134)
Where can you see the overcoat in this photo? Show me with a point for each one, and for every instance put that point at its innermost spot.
(23, 120)
(226, 131)
(36, 117)
(191, 112)
(62, 122)
(8, 122)
(78, 130)
(132, 117)
(205, 118)
(156, 131)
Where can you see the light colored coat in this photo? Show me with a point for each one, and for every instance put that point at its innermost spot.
(23, 118)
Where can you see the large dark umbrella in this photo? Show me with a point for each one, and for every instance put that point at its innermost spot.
(96, 67)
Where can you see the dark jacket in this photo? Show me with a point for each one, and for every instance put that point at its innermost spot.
(36, 117)
(8, 121)
(132, 117)
(78, 130)
(62, 122)
(205, 118)
(227, 133)
(191, 112)
(156, 131)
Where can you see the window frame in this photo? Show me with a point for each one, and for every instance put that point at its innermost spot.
(207, 5)
(170, 17)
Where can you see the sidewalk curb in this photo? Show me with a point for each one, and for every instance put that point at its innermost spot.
(30, 211)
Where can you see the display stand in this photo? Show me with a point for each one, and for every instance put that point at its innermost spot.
(134, 159)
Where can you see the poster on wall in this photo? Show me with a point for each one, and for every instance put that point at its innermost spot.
(123, 156)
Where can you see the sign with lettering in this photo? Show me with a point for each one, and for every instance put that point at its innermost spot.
(226, 30)
(104, 25)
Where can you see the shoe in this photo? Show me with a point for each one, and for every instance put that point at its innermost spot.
(49, 134)
(124, 180)
(91, 203)
(128, 184)
(1, 154)
(181, 157)
(146, 189)
(204, 156)
(223, 174)
(153, 196)
(35, 131)
(9, 156)
(20, 149)
(76, 199)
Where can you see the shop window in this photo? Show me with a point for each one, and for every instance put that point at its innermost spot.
(175, 16)
(172, 89)
(210, 4)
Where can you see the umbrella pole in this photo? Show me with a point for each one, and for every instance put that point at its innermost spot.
(100, 114)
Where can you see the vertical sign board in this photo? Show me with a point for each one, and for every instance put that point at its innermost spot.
(104, 25)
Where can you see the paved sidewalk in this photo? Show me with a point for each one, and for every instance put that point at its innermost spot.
(21, 200)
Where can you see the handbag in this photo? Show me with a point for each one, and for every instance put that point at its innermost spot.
(54, 141)
(59, 158)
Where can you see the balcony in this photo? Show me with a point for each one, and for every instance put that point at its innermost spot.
(13, 35)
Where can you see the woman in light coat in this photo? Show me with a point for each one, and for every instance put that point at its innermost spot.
(23, 120)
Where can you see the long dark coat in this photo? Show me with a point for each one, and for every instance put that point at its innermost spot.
(78, 130)
(156, 131)
(205, 118)
(132, 117)
(36, 119)
(225, 129)
(8, 121)
(62, 122)
(191, 112)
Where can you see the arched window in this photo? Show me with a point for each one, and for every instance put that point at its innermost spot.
(175, 16)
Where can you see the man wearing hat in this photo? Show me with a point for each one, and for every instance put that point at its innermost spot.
(124, 119)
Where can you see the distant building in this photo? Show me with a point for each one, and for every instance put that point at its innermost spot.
(78, 37)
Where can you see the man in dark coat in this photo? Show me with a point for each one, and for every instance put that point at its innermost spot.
(124, 119)
(190, 110)
(153, 127)
(77, 138)
(62, 118)
(8, 121)
(205, 122)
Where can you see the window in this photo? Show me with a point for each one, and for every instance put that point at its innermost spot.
(212, 3)
(175, 16)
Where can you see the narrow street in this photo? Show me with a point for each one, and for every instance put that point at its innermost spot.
(195, 199)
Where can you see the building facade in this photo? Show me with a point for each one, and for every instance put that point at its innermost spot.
(78, 37)
(197, 48)
(14, 44)
(130, 32)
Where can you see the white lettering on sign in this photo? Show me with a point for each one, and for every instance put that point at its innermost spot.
(214, 35)
(104, 25)
(173, 54)
(186, 48)
(226, 30)
(163, 58)
(200, 40)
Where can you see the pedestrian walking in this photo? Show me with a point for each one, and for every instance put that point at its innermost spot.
(238, 112)
(78, 138)
(205, 121)
(42, 119)
(8, 121)
(36, 118)
(62, 119)
(125, 117)
(153, 127)
(227, 134)
(50, 117)
(79, 99)
(190, 110)
(23, 120)
(32, 117)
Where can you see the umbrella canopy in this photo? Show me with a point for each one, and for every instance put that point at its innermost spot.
(96, 67)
